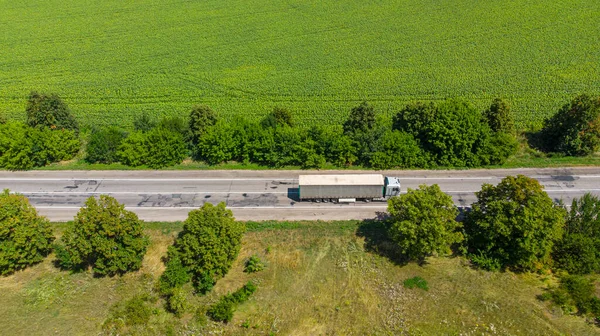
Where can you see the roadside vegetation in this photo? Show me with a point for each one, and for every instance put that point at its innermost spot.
(449, 134)
(474, 272)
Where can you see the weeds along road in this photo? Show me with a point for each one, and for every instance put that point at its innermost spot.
(258, 195)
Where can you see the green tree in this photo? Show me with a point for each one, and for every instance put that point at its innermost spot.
(277, 118)
(499, 117)
(201, 118)
(361, 119)
(25, 237)
(143, 123)
(104, 236)
(156, 149)
(49, 111)
(575, 128)
(217, 144)
(514, 223)
(397, 149)
(423, 222)
(103, 145)
(175, 125)
(579, 250)
(208, 245)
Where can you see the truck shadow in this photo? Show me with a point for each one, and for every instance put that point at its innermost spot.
(293, 194)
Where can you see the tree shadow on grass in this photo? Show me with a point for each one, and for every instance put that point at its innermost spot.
(374, 231)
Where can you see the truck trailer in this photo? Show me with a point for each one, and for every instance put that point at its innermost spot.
(347, 188)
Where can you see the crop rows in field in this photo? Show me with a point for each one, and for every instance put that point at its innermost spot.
(111, 60)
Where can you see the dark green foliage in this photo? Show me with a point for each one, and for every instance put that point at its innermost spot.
(104, 236)
(23, 147)
(49, 111)
(576, 294)
(175, 125)
(422, 222)
(209, 243)
(202, 117)
(579, 250)
(157, 148)
(217, 144)
(499, 117)
(253, 265)
(574, 129)
(484, 262)
(361, 119)
(278, 118)
(514, 223)
(416, 282)
(175, 275)
(397, 149)
(222, 311)
(25, 237)
(103, 145)
(454, 134)
(143, 123)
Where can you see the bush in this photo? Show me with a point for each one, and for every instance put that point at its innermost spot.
(49, 111)
(143, 123)
(177, 302)
(103, 145)
(253, 265)
(156, 149)
(222, 311)
(422, 222)
(361, 119)
(574, 129)
(514, 223)
(208, 244)
(23, 147)
(280, 117)
(175, 125)
(133, 312)
(576, 293)
(397, 150)
(484, 262)
(579, 250)
(175, 274)
(416, 282)
(25, 237)
(104, 236)
(202, 117)
(499, 117)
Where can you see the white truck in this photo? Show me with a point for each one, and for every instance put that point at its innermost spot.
(347, 188)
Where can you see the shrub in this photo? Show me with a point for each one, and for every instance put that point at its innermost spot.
(499, 117)
(49, 111)
(175, 274)
(103, 145)
(484, 262)
(361, 119)
(132, 312)
(156, 149)
(23, 147)
(208, 244)
(576, 293)
(222, 310)
(575, 128)
(175, 125)
(422, 222)
(217, 144)
(202, 117)
(416, 282)
(25, 237)
(143, 123)
(177, 302)
(515, 223)
(278, 118)
(253, 265)
(579, 250)
(105, 236)
(397, 150)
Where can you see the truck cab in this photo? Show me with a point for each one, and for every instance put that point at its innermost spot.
(391, 187)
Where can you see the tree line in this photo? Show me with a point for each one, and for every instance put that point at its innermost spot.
(451, 133)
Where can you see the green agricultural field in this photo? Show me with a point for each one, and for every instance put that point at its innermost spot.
(113, 59)
(320, 279)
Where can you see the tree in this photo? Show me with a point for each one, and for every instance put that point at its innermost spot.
(575, 128)
(397, 149)
(104, 236)
(499, 117)
(514, 224)
(201, 118)
(156, 149)
(579, 250)
(49, 111)
(423, 222)
(143, 123)
(103, 145)
(278, 118)
(175, 125)
(208, 245)
(361, 119)
(25, 237)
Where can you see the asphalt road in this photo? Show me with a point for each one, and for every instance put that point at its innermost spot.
(257, 195)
